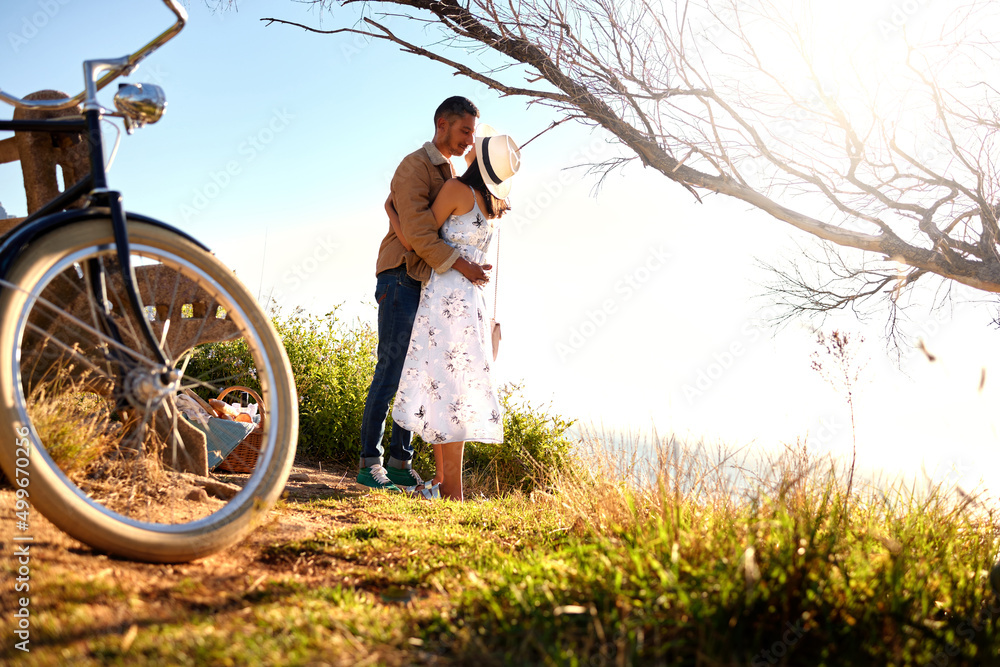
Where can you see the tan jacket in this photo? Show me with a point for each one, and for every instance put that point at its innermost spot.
(417, 181)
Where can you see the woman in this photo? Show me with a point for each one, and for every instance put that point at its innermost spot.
(446, 392)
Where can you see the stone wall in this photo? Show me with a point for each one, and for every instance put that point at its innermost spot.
(42, 153)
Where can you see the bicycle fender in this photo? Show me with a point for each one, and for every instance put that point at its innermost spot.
(14, 242)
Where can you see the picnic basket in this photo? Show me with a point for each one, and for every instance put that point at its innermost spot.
(244, 457)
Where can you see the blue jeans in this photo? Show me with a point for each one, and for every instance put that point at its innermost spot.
(397, 295)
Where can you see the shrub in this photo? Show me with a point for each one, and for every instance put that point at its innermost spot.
(332, 365)
(534, 450)
(536, 447)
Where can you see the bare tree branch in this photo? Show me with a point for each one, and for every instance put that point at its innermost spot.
(411, 48)
(692, 89)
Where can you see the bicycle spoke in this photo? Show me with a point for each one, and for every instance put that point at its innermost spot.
(100, 336)
(106, 420)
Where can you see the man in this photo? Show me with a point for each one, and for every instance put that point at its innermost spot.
(399, 272)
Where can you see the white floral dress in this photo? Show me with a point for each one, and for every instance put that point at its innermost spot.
(446, 392)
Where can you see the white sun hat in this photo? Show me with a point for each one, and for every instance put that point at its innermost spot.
(499, 159)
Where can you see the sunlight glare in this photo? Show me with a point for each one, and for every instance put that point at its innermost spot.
(854, 51)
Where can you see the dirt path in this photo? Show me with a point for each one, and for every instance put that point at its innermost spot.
(92, 606)
(55, 556)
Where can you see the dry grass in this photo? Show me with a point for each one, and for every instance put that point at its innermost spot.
(73, 423)
(114, 457)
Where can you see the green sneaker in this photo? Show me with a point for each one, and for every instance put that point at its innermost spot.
(403, 477)
(375, 477)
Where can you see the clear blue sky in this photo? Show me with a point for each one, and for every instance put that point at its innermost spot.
(634, 308)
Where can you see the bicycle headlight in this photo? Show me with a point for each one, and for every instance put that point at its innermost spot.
(140, 103)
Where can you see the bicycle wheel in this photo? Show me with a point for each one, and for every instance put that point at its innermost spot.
(114, 461)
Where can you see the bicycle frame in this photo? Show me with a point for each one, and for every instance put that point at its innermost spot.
(115, 68)
(97, 74)
(112, 454)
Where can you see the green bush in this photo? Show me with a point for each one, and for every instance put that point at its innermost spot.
(333, 366)
(535, 445)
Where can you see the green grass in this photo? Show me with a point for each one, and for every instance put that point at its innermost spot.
(683, 567)
(584, 553)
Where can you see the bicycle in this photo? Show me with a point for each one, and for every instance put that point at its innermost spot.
(104, 317)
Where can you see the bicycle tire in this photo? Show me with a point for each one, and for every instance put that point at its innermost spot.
(110, 469)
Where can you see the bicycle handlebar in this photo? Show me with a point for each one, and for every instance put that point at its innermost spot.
(115, 68)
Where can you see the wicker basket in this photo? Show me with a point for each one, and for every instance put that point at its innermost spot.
(244, 457)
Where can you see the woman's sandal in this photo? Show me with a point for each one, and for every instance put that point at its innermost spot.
(427, 491)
